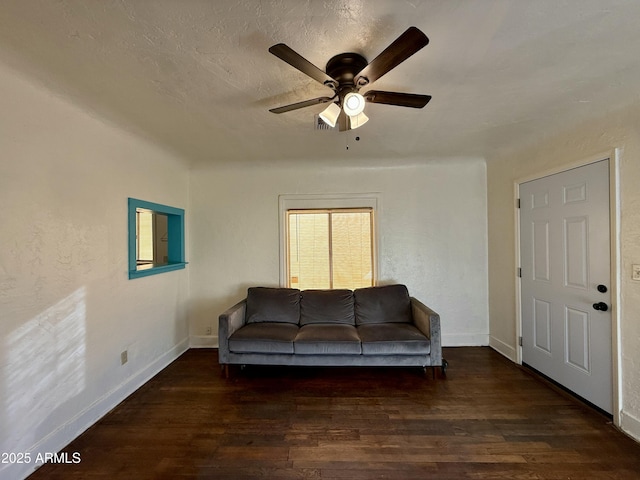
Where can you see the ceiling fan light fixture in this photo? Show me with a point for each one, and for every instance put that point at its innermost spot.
(358, 120)
(353, 104)
(346, 73)
(330, 114)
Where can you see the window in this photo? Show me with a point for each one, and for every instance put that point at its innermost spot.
(156, 238)
(331, 248)
(329, 240)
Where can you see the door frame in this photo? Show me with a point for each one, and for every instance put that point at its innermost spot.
(614, 157)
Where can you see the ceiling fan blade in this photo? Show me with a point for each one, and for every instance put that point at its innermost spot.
(283, 52)
(395, 98)
(402, 48)
(296, 106)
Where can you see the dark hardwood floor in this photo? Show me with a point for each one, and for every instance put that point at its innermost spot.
(488, 419)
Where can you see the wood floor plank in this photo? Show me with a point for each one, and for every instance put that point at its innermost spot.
(488, 419)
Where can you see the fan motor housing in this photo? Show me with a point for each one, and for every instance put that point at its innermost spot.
(345, 66)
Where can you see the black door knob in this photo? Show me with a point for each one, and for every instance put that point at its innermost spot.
(602, 288)
(603, 307)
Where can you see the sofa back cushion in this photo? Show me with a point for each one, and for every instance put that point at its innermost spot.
(386, 304)
(327, 306)
(279, 305)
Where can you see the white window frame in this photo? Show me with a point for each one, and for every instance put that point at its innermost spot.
(328, 201)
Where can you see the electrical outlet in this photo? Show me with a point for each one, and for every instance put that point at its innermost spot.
(124, 357)
(209, 330)
(635, 272)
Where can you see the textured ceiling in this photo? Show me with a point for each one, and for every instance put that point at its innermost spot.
(195, 76)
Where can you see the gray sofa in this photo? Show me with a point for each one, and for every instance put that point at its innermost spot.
(375, 326)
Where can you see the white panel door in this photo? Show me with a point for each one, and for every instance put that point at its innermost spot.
(565, 295)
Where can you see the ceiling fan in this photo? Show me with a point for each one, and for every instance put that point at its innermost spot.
(347, 73)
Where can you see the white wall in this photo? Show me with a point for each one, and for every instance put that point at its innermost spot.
(67, 308)
(432, 230)
(618, 129)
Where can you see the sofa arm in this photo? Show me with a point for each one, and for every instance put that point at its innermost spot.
(229, 322)
(428, 322)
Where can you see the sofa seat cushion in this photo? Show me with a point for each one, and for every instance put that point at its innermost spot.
(386, 304)
(265, 304)
(264, 337)
(326, 306)
(393, 339)
(327, 339)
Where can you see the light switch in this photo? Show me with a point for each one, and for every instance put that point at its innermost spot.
(635, 272)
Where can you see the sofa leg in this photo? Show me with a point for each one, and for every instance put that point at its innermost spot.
(445, 364)
(433, 371)
(225, 370)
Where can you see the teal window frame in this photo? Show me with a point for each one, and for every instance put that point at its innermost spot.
(175, 233)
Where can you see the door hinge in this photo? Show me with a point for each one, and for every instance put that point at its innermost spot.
(520, 341)
(518, 202)
(519, 272)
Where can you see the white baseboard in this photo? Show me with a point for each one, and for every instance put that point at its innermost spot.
(63, 435)
(203, 341)
(630, 425)
(503, 348)
(465, 340)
